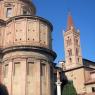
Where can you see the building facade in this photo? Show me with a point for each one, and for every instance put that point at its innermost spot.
(78, 70)
(26, 54)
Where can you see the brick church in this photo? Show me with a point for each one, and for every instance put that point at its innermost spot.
(26, 55)
(78, 70)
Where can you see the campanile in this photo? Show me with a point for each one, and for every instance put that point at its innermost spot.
(73, 55)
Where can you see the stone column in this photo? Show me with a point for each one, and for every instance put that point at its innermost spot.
(58, 84)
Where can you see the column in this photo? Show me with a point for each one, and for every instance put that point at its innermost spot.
(58, 84)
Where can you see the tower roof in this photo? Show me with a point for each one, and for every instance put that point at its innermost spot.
(70, 22)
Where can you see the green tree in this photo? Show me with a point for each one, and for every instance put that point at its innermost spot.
(69, 89)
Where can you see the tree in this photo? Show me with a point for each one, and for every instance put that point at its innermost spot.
(69, 89)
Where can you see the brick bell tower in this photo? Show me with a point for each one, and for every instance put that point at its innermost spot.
(73, 55)
(25, 49)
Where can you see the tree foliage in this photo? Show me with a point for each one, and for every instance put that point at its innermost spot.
(69, 89)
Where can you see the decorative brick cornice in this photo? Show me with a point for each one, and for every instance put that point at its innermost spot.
(30, 48)
(30, 17)
(2, 22)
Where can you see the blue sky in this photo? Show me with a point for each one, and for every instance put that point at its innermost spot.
(83, 13)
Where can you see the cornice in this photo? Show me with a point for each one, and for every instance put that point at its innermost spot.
(30, 17)
(79, 67)
(21, 57)
(71, 32)
(2, 22)
(30, 48)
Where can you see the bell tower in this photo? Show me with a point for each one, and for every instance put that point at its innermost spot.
(73, 55)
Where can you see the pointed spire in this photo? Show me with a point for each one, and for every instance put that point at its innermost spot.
(70, 23)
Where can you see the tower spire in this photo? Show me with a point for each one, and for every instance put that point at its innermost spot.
(70, 21)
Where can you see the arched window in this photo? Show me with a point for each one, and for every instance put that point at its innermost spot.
(70, 59)
(70, 52)
(76, 41)
(25, 11)
(69, 41)
(78, 59)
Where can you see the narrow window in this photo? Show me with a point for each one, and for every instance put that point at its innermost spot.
(70, 52)
(51, 73)
(76, 42)
(9, 12)
(70, 41)
(24, 12)
(43, 78)
(93, 89)
(16, 68)
(6, 70)
(77, 52)
(43, 69)
(78, 59)
(30, 67)
(70, 59)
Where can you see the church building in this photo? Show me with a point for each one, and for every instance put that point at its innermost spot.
(26, 55)
(78, 70)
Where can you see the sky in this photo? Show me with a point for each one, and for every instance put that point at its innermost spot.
(83, 14)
